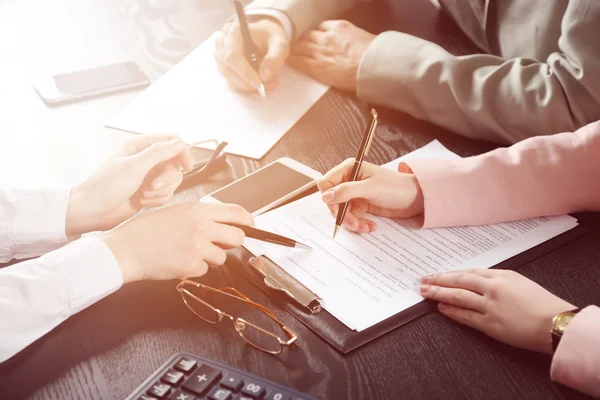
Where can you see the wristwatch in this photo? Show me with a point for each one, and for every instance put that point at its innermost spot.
(560, 322)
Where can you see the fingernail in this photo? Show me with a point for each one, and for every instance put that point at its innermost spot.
(159, 185)
(424, 279)
(266, 74)
(425, 288)
(328, 196)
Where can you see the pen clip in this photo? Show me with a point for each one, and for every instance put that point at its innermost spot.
(372, 129)
(276, 278)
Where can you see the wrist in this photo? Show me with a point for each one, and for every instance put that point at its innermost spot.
(78, 218)
(121, 250)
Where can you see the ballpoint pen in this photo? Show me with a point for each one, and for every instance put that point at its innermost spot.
(250, 48)
(363, 150)
(270, 237)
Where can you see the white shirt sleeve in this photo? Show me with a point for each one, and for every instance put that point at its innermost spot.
(37, 295)
(32, 222)
(277, 15)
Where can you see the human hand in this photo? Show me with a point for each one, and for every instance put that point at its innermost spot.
(177, 242)
(502, 304)
(377, 191)
(332, 53)
(144, 173)
(271, 39)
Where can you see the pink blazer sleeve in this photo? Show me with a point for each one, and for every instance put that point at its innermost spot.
(541, 176)
(576, 362)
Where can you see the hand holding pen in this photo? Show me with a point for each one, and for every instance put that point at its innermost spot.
(251, 51)
(270, 45)
(374, 190)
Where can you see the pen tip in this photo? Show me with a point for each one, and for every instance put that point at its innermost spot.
(303, 246)
(262, 91)
(335, 230)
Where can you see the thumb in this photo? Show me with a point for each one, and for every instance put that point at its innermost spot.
(156, 154)
(346, 192)
(275, 58)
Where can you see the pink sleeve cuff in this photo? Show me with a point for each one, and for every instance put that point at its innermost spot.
(576, 362)
(445, 193)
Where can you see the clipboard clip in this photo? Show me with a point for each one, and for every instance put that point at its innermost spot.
(276, 278)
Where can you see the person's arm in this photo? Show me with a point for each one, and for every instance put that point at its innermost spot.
(541, 176)
(576, 362)
(486, 96)
(37, 295)
(31, 222)
(304, 14)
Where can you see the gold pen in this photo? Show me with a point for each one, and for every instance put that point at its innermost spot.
(250, 48)
(363, 150)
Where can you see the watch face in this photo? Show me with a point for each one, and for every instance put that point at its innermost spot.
(563, 321)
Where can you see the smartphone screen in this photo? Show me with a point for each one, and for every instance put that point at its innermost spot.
(99, 79)
(264, 187)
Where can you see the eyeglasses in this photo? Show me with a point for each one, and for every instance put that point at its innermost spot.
(259, 327)
(204, 169)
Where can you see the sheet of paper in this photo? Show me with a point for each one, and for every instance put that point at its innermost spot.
(364, 279)
(194, 101)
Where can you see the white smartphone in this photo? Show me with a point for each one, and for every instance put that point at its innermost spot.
(65, 88)
(267, 187)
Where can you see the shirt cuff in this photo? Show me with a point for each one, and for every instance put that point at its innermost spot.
(279, 16)
(444, 199)
(576, 362)
(90, 270)
(39, 221)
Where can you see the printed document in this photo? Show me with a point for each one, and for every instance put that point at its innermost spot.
(195, 102)
(364, 279)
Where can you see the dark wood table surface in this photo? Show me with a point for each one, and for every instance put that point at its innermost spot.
(107, 350)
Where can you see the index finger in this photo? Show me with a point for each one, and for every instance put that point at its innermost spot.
(475, 280)
(231, 214)
(336, 175)
(142, 142)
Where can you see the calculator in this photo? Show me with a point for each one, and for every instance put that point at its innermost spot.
(190, 377)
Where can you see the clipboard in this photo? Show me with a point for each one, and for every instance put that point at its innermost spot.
(299, 301)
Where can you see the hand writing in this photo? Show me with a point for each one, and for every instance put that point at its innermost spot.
(377, 191)
(271, 39)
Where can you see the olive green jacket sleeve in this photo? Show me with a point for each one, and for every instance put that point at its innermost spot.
(489, 97)
(499, 98)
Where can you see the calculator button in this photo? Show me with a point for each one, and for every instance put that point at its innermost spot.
(146, 397)
(172, 377)
(179, 395)
(253, 390)
(277, 395)
(202, 379)
(220, 394)
(159, 390)
(242, 397)
(185, 365)
(233, 382)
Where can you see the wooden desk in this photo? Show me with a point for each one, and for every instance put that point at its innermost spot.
(106, 351)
